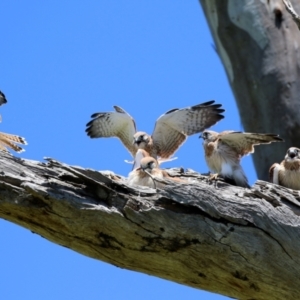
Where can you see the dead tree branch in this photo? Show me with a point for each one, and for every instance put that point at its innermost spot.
(258, 43)
(290, 9)
(237, 242)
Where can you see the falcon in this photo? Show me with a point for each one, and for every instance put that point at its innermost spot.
(170, 131)
(287, 173)
(223, 152)
(147, 172)
(9, 140)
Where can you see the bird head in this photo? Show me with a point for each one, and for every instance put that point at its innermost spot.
(292, 154)
(208, 136)
(141, 139)
(148, 164)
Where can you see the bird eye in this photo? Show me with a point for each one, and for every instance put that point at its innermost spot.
(205, 135)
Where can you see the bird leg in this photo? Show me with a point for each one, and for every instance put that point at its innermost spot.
(213, 177)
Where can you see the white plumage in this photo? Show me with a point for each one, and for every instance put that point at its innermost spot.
(287, 173)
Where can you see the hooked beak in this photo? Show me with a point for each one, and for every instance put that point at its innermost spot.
(292, 154)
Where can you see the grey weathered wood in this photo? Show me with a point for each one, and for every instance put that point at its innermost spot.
(258, 43)
(289, 7)
(243, 243)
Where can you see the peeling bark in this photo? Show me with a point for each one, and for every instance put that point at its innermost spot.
(258, 43)
(238, 242)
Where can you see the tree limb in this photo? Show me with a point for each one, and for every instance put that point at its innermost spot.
(237, 242)
(259, 43)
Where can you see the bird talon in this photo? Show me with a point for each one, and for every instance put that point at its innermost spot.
(213, 177)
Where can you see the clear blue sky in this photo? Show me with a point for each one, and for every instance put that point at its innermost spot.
(62, 61)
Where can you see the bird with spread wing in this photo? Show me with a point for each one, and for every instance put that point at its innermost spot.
(223, 152)
(10, 140)
(170, 131)
(287, 173)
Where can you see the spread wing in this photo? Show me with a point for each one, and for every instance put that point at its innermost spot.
(243, 142)
(172, 128)
(11, 141)
(113, 124)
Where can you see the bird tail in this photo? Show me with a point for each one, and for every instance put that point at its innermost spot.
(240, 178)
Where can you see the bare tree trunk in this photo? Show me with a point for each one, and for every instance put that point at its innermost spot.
(258, 43)
(237, 242)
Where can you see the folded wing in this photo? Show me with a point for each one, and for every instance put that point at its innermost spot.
(243, 142)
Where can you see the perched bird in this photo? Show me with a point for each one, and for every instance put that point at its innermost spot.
(170, 131)
(223, 152)
(287, 173)
(11, 141)
(147, 172)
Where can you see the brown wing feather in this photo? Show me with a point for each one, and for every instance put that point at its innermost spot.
(243, 142)
(172, 128)
(271, 172)
(3, 148)
(168, 144)
(10, 141)
(113, 124)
